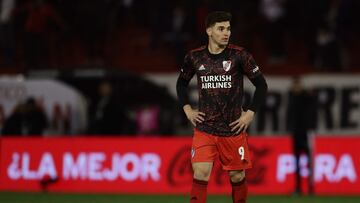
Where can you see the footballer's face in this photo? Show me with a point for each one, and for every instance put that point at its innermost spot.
(219, 33)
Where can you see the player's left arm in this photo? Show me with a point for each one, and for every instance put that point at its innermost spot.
(252, 71)
(246, 117)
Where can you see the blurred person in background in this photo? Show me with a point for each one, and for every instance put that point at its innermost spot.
(106, 113)
(178, 34)
(28, 119)
(93, 21)
(274, 14)
(220, 122)
(300, 120)
(7, 41)
(157, 20)
(328, 52)
(41, 20)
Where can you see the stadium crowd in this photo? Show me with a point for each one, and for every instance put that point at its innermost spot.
(51, 34)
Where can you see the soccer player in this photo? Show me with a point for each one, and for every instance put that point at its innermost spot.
(220, 121)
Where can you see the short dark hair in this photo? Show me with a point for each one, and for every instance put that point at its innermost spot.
(216, 17)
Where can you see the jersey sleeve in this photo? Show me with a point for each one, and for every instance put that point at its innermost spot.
(252, 71)
(187, 69)
(249, 66)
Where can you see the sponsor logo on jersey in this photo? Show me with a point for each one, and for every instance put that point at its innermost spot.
(192, 152)
(226, 65)
(215, 81)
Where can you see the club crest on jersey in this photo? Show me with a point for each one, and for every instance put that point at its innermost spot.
(192, 152)
(226, 65)
(255, 69)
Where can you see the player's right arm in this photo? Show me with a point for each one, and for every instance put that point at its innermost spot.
(186, 73)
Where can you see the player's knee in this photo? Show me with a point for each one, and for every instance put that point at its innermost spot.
(236, 176)
(202, 174)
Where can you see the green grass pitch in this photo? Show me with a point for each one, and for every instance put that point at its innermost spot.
(12, 197)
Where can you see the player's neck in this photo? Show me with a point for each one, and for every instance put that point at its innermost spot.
(215, 48)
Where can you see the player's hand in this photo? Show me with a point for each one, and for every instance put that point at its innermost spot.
(193, 115)
(243, 122)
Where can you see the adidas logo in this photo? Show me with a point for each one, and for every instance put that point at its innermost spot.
(202, 67)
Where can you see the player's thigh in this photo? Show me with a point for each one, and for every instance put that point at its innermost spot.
(203, 148)
(234, 152)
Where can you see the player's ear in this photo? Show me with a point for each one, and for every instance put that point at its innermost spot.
(209, 31)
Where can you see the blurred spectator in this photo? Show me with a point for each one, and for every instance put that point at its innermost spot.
(328, 52)
(274, 14)
(7, 41)
(60, 122)
(92, 22)
(178, 34)
(107, 115)
(245, 23)
(157, 20)
(27, 119)
(126, 7)
(300, 115)
(41, 20)
(200, 15)
(102, 25)
(344, 28)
